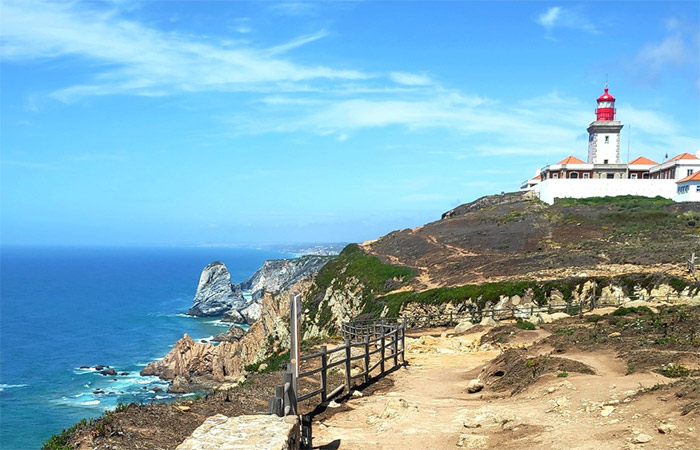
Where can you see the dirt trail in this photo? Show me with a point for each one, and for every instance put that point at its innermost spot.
(428, 407)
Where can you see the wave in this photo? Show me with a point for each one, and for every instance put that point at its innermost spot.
(11, 386)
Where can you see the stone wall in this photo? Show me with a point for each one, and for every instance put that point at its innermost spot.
(251, 432)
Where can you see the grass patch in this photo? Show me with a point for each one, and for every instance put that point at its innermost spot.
(524, 324)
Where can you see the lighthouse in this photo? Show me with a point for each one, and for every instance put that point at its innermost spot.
(604, 133)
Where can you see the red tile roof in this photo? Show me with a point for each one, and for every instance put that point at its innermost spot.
(692, 177)
(538, 177)
(571, 160)
(642, 161)
(683, 156)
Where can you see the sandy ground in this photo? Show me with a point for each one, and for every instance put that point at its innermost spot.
(426, 406)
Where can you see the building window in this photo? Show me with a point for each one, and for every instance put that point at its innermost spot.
(607, 139)
(573, 175)
(683, 189)
(605, 161)
(697, 188)
(610, 176)
(555, 175)
(690, 172)
(645, 176)
(633, 176)
(586, 176)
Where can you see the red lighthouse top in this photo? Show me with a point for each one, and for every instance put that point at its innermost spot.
(606, 106)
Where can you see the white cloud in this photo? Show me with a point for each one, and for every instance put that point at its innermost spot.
(410, 79)
(144, 61)
(548, 18)
(559, 17)
(670, 52)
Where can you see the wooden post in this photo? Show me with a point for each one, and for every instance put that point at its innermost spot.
(324, 374)
(381, 352)
(366, 359)
(294, 339)
(403, 343)
(290, 395)
(348, 378)
(395, 346)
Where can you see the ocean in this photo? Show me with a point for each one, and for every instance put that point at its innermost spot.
(62, 308)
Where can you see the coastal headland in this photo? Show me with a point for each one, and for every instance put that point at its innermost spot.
(543, 379)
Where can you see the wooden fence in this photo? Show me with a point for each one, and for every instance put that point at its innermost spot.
(382, 349)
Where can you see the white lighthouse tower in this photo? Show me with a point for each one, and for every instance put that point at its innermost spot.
(604, 133)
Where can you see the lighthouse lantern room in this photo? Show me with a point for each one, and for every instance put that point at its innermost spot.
(604, 133)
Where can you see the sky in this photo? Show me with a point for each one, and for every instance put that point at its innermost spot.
(130, 122)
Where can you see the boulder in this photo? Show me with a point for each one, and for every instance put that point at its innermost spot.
(235, 333)
(475, 385)
(99, 367)
(180, 385)
(233, 316)
(642, 438)
(109, 371)
(157, 389)
(488, 322)
(463, 326)
(215, 294)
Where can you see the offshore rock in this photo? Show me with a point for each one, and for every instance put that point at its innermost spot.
(215, 295)
(279, 275)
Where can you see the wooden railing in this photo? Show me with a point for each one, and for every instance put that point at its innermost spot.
(382, 344)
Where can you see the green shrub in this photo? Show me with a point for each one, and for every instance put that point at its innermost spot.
(524, 324)
(594, 318)
(563, 374)
(674, 370)
(60, 441)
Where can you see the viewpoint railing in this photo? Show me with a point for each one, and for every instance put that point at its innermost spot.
(380, 348)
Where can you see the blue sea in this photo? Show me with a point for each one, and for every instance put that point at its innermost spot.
(63, 308)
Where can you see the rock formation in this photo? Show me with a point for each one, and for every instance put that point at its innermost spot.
(215, 294)
(198, 363)
(278, 275)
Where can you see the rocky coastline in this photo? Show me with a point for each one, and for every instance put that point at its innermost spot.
(192, 365)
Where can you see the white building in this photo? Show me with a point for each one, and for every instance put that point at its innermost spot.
(603, 174)
(688, 188)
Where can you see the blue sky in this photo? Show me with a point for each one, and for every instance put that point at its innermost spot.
(179, 123)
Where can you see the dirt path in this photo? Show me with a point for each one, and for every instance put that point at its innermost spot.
(428, 407)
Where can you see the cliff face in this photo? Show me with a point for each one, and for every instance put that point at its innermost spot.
(280, 274)
(197, 362)
(215, 294)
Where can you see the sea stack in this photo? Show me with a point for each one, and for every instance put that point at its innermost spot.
(215, 294)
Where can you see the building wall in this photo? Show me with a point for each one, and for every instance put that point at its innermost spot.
(548, 190)
(690, 193)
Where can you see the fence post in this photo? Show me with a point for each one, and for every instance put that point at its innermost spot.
(348, 378)
(290, 401)
(395, 346)
(366, 359)
(403, 343)
(381, 352)
(324, 374)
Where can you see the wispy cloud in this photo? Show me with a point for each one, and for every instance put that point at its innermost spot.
(410, 79)
(140, 60)
(560, 17)
(295, 43)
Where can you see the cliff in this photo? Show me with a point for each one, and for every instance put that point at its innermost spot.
(217, 296)
(199, 363)
(510, 247)
(280, 274)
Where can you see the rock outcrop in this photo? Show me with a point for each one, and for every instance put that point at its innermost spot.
(280, 274)
(215, 294)
(201, 363)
